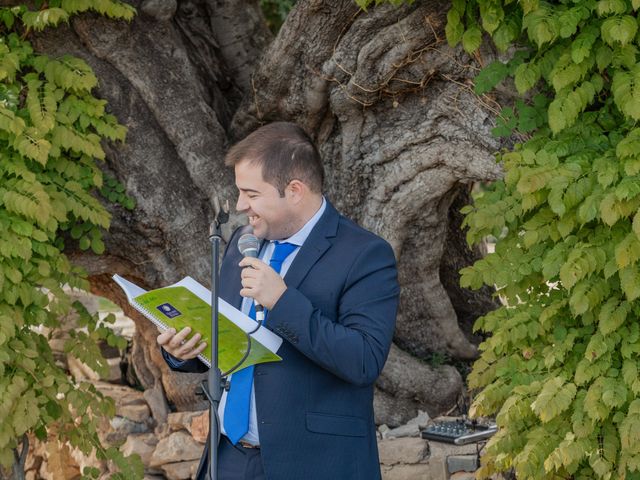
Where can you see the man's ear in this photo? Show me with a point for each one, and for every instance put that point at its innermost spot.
(296, 190)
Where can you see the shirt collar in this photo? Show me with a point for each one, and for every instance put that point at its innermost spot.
(301, 235)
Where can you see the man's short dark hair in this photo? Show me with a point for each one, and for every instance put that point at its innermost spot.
(285, 152)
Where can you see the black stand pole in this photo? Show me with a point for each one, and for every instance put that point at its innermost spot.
(215, 382)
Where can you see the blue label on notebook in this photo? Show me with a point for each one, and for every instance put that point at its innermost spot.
(168, 310)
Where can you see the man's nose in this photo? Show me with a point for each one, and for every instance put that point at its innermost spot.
(241, 204)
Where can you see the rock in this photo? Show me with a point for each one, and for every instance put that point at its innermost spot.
(163, 430)
(392, 411)
(157, 403)
(404, 431)
(403, 450)
(162, 10)
(463, 476)
(180, 470)
(177, 447)
(462, 463)
(142, 444)
(119, 428)
(137, 412)
(422, 471)
(80, 371)
(408, 384)
(421, 420)
(199, 427)
(130, 403)
(181, 420)
(115, 374)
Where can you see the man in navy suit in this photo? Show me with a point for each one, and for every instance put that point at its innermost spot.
(330, 290)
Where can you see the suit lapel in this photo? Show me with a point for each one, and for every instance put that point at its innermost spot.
(314, 247)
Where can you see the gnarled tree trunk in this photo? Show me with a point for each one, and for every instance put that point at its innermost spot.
(390, 105)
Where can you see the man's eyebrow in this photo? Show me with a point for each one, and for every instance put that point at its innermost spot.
(251, 190)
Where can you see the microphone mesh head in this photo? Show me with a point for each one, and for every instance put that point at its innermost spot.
(248, 244)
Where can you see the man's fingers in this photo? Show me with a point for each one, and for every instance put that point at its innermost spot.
(180, 337)
(252, 262)
(248, 273)
(191, 343)
(165, 336)
(193, 353)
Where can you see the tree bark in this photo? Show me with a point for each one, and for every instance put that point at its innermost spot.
(391, 108)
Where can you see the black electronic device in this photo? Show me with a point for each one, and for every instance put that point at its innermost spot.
(458, 432)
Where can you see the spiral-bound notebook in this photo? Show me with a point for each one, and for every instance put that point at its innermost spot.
(188, 303)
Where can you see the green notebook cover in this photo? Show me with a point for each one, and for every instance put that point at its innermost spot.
(178, 307)
(186, 303)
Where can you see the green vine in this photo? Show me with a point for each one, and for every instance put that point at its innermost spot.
(51, 127)
(560, 369)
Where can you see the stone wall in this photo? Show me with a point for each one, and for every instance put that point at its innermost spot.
(170, 444)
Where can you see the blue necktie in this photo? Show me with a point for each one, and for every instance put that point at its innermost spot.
(236, 410)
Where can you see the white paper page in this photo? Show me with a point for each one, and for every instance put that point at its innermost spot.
(130, 289)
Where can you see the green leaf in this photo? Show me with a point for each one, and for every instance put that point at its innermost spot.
(554, 398)
(627, 252)
(41, 19)
(626, 91)
(630, 281)
(619, 30)
(612, 315)
(526, 76)
(97, 246)
(507, 32)
(490, 76)
(471, 39)
(608, 7)
(492, 15)
(582, 46)
(454, 28)
(541, 25)
(42, 105)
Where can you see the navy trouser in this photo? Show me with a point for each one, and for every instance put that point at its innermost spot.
(238, 463)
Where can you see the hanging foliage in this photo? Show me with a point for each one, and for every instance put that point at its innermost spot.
(560, 368)
(51, 128)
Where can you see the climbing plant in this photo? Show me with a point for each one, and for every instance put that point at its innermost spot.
(560, 367)
(51, 128)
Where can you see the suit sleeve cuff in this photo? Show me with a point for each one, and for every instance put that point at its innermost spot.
(172, 361)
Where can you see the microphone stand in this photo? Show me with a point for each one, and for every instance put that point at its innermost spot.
(215, 382)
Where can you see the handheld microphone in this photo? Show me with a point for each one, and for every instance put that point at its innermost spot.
(249, 246)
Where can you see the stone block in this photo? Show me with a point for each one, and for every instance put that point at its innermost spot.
(408, 430)
(421, 420)
(463, 476)
(199, 427)
(142, 444)
(417, 471)
(157, 403)
(180, 470)
(177, 447)
(119, 428)
(403, 450)
(181, 420)
(462, 463)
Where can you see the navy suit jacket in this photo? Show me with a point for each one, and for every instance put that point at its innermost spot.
(337, 317)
